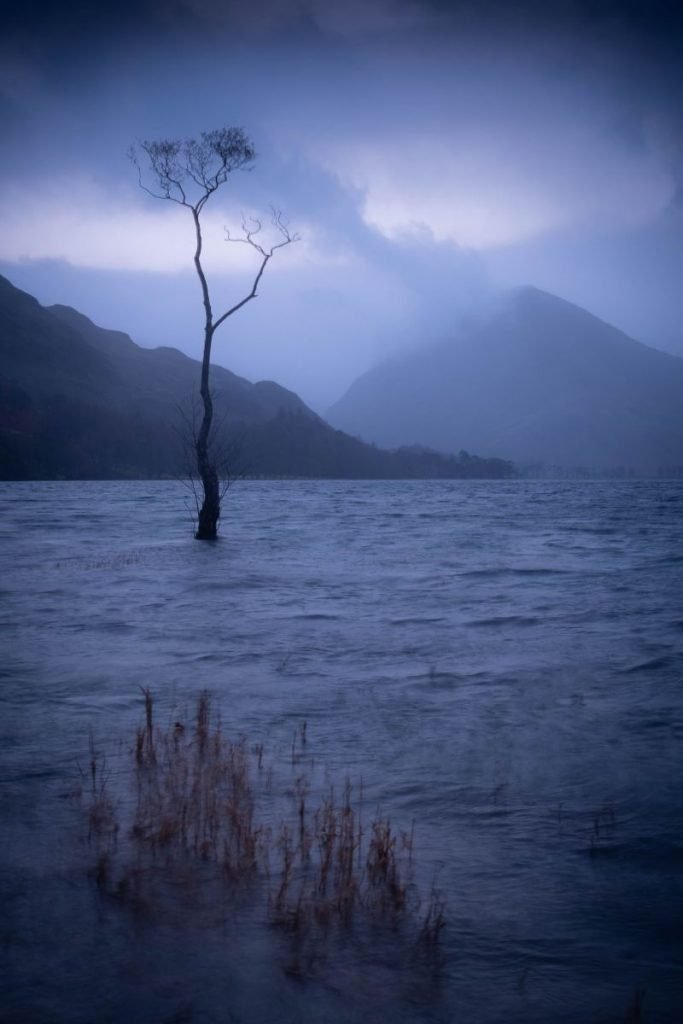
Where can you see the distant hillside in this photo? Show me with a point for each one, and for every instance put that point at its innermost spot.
(78, 401)
(538, 381)
(294, 445)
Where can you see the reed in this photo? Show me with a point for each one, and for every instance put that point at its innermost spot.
(203, 801)
(194, 793)
(103, 824)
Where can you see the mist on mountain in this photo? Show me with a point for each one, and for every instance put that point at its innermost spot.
(534, 379)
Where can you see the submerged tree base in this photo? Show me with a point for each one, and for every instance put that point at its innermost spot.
(207, 527)
(209, 513)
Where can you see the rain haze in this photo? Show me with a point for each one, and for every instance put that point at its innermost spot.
(428, 154)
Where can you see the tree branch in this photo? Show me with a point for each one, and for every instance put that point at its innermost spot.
(249, 239)
(248, 298)
(200, 270)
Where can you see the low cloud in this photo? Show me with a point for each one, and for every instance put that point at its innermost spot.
(481, 190)
(76, 222)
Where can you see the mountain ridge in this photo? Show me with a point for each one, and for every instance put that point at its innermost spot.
(538, 379)
(81, 401)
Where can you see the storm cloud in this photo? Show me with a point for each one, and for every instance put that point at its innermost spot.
(427, 153)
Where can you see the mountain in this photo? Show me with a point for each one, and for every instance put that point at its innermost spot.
(537, 381)
(79, 401)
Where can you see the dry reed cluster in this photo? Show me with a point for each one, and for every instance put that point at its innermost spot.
(196, 799)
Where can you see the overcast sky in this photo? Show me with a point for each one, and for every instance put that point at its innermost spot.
(428, 153)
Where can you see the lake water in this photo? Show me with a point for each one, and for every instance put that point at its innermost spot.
(501, 663)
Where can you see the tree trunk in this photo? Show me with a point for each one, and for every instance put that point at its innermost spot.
(209, 513)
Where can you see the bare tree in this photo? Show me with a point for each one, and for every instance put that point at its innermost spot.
(188, 172)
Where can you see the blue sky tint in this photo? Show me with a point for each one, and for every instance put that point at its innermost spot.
(428, 154)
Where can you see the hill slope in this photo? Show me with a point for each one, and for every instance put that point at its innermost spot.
(541, 380)
(79, 401)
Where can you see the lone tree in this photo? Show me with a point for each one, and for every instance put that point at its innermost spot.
(188, 172)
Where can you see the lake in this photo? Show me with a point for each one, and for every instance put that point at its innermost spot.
(497, 668)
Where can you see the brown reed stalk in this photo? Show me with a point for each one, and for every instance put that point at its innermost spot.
(195, 803)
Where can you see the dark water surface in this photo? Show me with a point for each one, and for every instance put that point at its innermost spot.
(501, 663)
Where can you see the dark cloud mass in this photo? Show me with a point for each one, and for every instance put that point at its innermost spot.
(645, 21)
(429, 152)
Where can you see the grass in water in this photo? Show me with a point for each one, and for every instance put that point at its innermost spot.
(195, 805)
